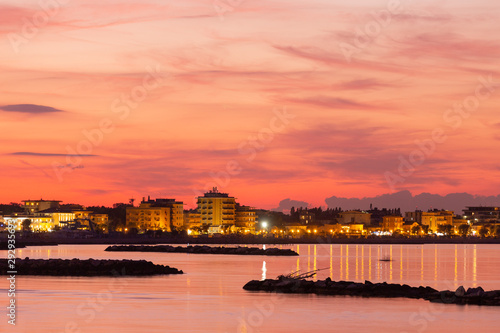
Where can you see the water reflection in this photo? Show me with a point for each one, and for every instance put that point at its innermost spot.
(393, 263)
(341, 262)
(422, 265)
(456, 264)
(209, 297)
(370, 263)
(474, 266)
(390, 262)
(315, 256)
(401, 263)
(357, 257)
(347, 262)
(465, 262)
(362, 261)
(308, 258)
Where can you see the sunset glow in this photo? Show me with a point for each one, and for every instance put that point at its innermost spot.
(268, 100)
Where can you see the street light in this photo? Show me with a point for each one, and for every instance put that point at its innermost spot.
(264, 225)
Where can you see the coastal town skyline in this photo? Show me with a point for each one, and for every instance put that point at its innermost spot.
(219, 214)
(403, 200)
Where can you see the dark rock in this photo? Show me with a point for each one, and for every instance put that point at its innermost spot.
(203, 249)
(90, 267)
(474, 292)
(460, 291)
(252, 285)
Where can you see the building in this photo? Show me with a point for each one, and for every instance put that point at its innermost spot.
(354, 228)
(482, 214)
(436, 218)
(415, 216)
(218, 210)
(354, 217)
(17, 220)
(392, 223)
(50, 215)
(192, 220)
(412, 228)
(85, 220)
(159, 214)
(57, 215)
(295, 230)
(377, 215)
(42, 221)
(307, 217)
(101, 221)
(457, 222)
(34, 206)
(245, 219)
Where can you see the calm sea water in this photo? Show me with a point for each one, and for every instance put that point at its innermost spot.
(210, 298)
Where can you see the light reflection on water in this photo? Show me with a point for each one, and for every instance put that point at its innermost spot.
(209, 298)
(400, 263)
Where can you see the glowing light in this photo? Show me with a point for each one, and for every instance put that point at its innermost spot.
(264, 225)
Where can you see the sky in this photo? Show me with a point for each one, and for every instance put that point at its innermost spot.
(101, 102)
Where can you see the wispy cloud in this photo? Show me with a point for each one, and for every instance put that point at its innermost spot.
(331, 102)
(361, 84)
(29, 108)
(26, 153)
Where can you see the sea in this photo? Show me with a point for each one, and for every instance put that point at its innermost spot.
(209, 297)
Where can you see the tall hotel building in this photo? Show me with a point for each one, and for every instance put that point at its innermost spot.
(217, 210)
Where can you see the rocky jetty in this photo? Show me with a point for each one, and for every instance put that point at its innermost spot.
(203, 249)
(89, 267)
(476, 296)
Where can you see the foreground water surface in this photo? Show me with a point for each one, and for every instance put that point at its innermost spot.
(210, 298)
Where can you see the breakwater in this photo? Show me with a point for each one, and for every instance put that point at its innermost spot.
(203, 249)
(89, 267)
(473, 296)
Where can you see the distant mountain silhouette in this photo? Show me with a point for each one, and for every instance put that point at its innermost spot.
(407, 202)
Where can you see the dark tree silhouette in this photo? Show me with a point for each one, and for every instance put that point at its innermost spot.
(463, 230)
(26, 224)
(483, 231)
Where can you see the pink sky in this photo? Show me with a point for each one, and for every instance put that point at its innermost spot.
(221, 78)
